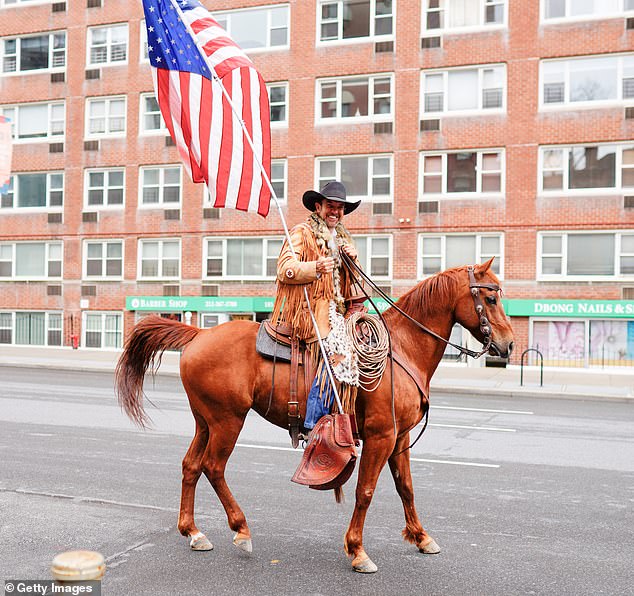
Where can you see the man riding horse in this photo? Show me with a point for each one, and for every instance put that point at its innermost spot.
(314, 262)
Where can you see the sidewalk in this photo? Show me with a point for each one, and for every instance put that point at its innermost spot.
(572, 383)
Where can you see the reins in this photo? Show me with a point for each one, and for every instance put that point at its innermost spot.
(485, 326)
(474, 286)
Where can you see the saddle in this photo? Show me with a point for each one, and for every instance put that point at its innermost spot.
(330, 455)
(277, 342)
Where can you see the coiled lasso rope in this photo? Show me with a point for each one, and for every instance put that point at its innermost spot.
(371, 343)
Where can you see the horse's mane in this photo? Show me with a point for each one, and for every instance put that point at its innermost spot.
(424, 296)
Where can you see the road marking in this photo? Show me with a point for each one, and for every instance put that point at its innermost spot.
(453, 463)
(493, 428)
(271, 447)
(417, 459)
(481, 410)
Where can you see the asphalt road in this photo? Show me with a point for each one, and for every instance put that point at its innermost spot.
(522, 497)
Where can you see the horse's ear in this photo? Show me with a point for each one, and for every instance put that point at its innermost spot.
(486, 266)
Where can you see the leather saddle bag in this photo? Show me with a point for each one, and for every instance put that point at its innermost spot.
(330, 455)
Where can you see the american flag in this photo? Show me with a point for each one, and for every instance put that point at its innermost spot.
(192, 56)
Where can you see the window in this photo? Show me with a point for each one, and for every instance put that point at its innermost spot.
(37, 190)
(105, 116)
(144, 55)
(354, 19)
(463, 91)
(440, 252)
(107, 45)
(554, 10)
(366, 177)
(34, 52)
(103, 259)
(159, 259)
(587, 169)
(278, 101)
(375, 255)
(104, 188)
(460, 173)
(241, 258)
(278, 178)
(160, 186)
(31, 328)
(583, 82)
(151, 120)
(264, 27)
(102, 329)
(447, 15)
(5, 3)
(31, 260)
(585, 254)
(355, 98)
(36, 121)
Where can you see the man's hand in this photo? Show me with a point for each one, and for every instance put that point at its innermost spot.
(350, 250)
(325, 265)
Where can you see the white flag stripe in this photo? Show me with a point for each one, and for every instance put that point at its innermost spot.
(222, 54)
(195, 90)
(215, 139)
(256, 183)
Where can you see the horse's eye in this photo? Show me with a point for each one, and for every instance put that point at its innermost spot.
(491, 299)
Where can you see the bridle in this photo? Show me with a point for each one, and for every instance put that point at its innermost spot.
(474, 287)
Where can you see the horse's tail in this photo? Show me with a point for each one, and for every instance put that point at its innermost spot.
(144, 348)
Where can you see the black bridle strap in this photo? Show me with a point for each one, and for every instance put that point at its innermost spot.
(473, 285)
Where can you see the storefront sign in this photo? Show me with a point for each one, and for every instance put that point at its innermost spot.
(209, 304)
(592, 309)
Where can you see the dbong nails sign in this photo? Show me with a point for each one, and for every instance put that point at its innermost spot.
(611, 309)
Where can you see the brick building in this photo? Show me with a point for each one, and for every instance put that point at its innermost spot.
(470, 129)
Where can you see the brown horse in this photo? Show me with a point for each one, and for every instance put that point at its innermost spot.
(224, 378)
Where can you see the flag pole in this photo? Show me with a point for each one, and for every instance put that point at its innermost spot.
(247, 136)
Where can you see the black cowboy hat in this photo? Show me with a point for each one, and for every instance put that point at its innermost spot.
(333, 191)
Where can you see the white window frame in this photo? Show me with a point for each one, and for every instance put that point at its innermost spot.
(49, 190)
(480, 256)
(481, 26)
(367, 265)
(373, 36)
(284, 164)
(449, 196)
(370, 157)
(566, 104)
(618, 188)
(224, 275)
(47, 326)
(106, 187)
(225, 17)
(104, 243)
(103, 315)
(620, 13)
(108, 117)
(144, 55)
(51, 134)
(371, 117)
(51, 54)
(47, 260)
(480, 110)
(161, 204)
(284, 85)
(19, 3)
(563, 276)
(152, 132)
(108, 45)
(161, 243)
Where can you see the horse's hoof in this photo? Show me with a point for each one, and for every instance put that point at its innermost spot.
(363, 564)
(243, 543)
(429, 547)
(200, 542)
